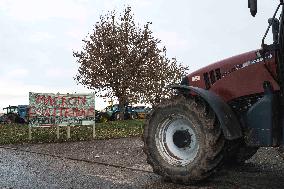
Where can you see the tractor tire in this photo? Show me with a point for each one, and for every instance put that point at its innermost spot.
(134, 115)
(104, 118)
(183, 141)
(19, 120)
(117, 116)
(11, 118)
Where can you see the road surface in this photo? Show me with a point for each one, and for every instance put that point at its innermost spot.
(118, 163)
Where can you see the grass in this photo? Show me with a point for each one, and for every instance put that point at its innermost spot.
(18, 134)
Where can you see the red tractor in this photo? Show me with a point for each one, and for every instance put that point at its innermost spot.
(222, 113)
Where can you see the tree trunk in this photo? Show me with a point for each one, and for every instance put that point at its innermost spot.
(121, 108)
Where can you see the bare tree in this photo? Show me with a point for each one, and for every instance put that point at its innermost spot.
(120, 59)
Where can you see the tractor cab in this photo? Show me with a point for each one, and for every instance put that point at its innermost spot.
(276, 23)
(11, 109)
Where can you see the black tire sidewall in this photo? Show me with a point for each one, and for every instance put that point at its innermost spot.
(164, 168)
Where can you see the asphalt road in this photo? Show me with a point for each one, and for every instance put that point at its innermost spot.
(118, 163)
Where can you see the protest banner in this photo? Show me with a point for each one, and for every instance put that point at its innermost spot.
(48, 109)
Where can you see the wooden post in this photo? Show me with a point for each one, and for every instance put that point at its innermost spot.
(94, 130)
(57, 131)
(30, 133)
(68, 132)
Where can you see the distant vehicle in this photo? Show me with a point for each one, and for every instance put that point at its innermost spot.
(15, 114)
(23, 112)
(141, 111)
(98, 116)
(113, 113)
(2, 118)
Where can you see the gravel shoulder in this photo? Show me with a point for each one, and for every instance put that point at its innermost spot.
(119, 163)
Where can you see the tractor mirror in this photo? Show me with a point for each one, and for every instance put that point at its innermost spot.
(252, 5)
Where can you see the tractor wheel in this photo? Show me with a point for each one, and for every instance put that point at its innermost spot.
(11, 118)
(19, 120)
(183, 141)
(117, 116)
(134, 115)
(8, 121)
(104, 118)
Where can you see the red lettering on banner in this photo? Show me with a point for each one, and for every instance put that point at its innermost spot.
(75, 101)
(60, 110)
(38, 111)
(70, 113)
(31, 112)
(54, 112)
(47, 112)
(82, 100)
(81, 112)
(51, 109)
(63, 101)
(40, 99)
(77, 112)
(91, 112)
(49, 101)
(66, 112)
(57, 100)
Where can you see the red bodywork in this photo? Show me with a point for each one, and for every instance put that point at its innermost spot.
(238, 76)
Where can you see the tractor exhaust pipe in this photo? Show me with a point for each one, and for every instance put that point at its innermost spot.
(252, 5)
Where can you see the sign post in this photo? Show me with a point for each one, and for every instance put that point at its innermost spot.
(94, 130)
(68, 132)
(30, 133)
(57, 132)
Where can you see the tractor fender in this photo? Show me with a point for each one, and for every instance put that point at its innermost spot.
(229, 123)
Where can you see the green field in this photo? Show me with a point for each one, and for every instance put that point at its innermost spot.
(17, 134)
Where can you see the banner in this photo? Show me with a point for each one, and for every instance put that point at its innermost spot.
(47, 109)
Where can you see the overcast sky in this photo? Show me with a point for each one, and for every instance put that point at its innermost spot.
(37, 37)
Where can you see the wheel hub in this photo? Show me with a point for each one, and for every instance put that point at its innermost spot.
(182, 138)
(177, 141)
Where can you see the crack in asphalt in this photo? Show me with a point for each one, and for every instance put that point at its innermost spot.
(76, 159)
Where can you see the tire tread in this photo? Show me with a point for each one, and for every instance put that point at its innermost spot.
(211, 161)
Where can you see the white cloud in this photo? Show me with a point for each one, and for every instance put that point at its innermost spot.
(40, 36)
(58, 72)
(40, 58)
(17, 73)
(144, 3)
(35, 10)
(75, 33)
(172, 40)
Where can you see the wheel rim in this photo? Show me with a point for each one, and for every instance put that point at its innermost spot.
(134, 116)
(117, 116)
(176, 141)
